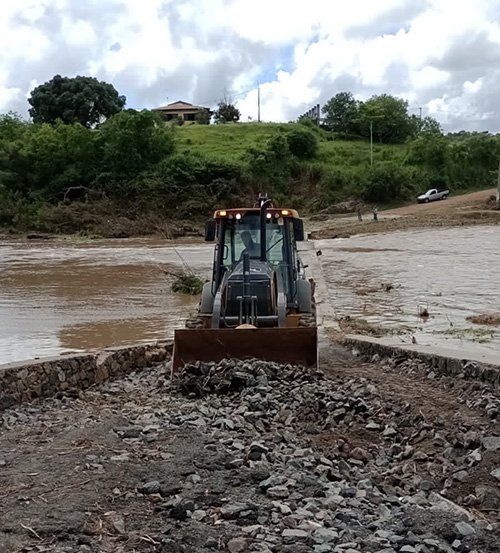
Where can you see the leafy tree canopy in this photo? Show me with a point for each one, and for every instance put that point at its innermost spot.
(389, 118)
(226, 112)
(11, 126)
(428, 125)
(133, 140)
(203, 117)
(341, 112)
(83, 100)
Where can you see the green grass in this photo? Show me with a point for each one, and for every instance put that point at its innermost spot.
(340, 170)
(233, 140)
(230, 141)
(355, 153)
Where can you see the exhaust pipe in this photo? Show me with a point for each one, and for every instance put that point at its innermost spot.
(264, 204)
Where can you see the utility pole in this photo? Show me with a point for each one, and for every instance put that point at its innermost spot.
(371, 142)
(420, 111)
(258, 103)
(498, 185)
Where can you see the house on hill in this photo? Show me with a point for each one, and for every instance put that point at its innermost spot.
(180, 110)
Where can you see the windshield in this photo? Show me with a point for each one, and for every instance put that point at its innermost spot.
(244, 236)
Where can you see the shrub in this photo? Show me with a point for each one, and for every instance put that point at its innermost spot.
(187, 283)
(302, 143)
(387, 182)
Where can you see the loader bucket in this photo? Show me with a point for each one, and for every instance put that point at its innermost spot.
(298, 346)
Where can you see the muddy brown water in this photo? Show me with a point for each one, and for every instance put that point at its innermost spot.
(390, 279)
(60, 296)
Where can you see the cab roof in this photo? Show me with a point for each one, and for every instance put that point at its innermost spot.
(242, 211)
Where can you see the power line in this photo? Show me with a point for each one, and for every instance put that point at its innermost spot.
(231, 94)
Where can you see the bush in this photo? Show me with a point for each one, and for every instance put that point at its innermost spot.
(302, 143)
(388, 182)
(132, 141)
(187, 184)
(187, 283)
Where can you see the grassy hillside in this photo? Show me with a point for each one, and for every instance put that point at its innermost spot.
(339, 169)
(232, 141)
(139, 175)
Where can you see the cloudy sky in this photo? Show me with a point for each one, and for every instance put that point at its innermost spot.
(443, 56)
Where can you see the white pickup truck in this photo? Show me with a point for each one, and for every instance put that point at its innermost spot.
(433, 194)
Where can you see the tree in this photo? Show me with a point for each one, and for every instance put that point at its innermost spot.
(341, 113)
(83, 100)
(50, 159)
(226, 112)
(428, 125)
(429, 150)
(203, 117)
(14, 133)
(11, 126)
(387, 181)
(473, 160)
(132, 141)
(389, 119)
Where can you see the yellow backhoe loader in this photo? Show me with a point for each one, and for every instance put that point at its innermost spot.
(258, 303)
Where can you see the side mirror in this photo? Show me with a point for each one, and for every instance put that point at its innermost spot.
(298, 229)
(210, 230)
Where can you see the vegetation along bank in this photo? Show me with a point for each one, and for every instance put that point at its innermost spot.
(85, 164)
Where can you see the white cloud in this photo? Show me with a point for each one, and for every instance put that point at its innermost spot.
(474, 87)
(78, 32)
(438, 54)
(428, 77)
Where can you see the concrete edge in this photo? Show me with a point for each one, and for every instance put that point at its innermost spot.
(40, 378)
(441, 365)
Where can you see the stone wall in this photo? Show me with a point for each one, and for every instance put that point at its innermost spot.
(440, 364)
(24, 381)
(45, 377)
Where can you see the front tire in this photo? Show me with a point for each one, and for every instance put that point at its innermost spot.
(194, 322)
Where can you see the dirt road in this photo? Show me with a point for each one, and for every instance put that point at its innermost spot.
(366, 457)
(465, 209)
(453, 204)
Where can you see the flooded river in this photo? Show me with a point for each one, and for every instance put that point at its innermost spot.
(389, 280)
(59, 296)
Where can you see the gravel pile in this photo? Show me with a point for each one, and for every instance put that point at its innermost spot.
(274, 458)
(321, 465)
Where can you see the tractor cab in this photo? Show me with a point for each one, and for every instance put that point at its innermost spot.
(268, 236)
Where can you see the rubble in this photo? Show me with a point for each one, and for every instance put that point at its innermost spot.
(261, 457)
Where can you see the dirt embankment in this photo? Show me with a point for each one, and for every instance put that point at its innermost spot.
(364, 457)
(466, 209)
(107, 219)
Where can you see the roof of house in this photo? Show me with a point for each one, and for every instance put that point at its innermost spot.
(179, 106)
